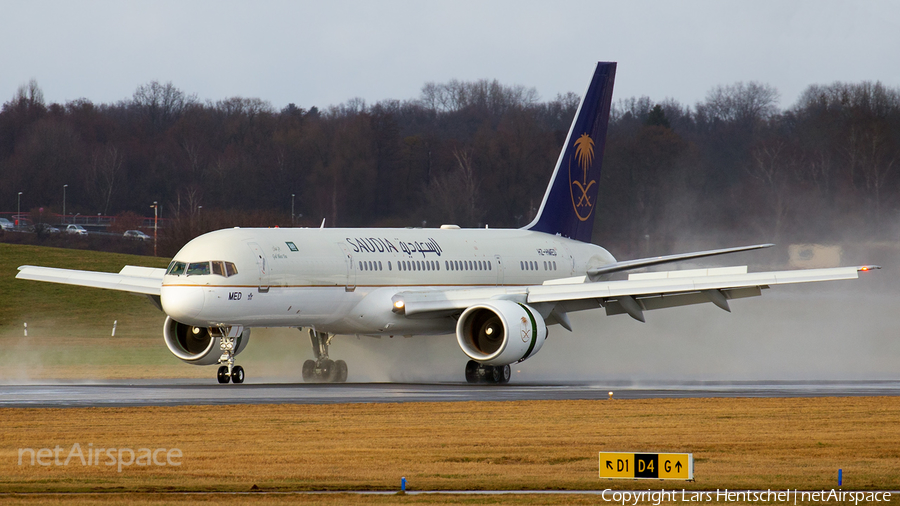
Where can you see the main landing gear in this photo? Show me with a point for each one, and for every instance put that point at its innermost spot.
(323, 369)
(227, 343)
(480, 373)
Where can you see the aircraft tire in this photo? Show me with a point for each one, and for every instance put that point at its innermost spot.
(505, 374)
(472, 371)
(340, 371)
(222, 374)
(309, 370)
(327, 371)
(237, 374)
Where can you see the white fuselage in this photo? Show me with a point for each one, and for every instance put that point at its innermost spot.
(342, 280)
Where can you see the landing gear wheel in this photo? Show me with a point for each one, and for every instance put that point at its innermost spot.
(472, 371)
(340, 371)
(323, 369)
(237, 374)
(222, 374)
(327, 371)
(502, 373)
(309, 370)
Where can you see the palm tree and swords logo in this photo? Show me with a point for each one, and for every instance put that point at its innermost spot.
(584, 156)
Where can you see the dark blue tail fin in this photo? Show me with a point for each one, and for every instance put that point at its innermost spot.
(570, 200)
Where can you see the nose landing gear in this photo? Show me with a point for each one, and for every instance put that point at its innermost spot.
(236, 375)
(323, 369)
(227, 343)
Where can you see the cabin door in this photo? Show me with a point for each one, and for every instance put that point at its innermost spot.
(263, 264)
(351, 268)
(498, 265)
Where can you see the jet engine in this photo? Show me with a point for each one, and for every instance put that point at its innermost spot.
(199, 345)
(500, 332)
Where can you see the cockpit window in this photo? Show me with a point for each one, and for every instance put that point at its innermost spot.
(176, 269)
(198, 268)
(217, 267)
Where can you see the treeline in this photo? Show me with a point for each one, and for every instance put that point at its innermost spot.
(470, 153)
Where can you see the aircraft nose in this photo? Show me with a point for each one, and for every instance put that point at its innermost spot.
(182, 303)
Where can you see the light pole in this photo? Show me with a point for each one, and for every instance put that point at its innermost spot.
(64, 202)
(18, 209)
(155, 218)
(292, 209)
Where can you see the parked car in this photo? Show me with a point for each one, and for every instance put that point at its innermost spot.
(76, 230)
(22, 224)
(136, 235)
(45, 228)
(6, 224)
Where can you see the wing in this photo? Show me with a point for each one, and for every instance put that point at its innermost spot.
(640, 292)
(143, 280)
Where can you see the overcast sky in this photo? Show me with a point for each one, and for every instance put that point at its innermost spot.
(324, 53)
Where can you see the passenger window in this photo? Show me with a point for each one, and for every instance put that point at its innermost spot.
(230, 269)
(198, 268)
(176, 268)
(218, 268)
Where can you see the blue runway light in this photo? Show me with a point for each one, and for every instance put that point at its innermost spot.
(403, 484)
(840, 477)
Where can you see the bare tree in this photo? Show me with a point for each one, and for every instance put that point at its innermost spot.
(772, 168)
(106, 164)
(455, 193)
(161, 104)
(740, 102)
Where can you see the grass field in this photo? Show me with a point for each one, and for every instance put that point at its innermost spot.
(50, 305)
(737, 444)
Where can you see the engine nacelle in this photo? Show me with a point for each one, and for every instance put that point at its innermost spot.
(199, 345)
(500, 332)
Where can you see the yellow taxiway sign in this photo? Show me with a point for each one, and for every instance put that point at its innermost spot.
(660, 466)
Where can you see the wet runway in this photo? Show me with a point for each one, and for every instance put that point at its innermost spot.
(201, 392)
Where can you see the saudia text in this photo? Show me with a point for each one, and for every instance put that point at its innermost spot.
(383, 245)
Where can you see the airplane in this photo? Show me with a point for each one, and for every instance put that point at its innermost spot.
(498, 289)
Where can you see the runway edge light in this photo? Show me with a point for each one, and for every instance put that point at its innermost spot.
(656, 466)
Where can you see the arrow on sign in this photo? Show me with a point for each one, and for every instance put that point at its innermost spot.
(609, 464)
(678, 466)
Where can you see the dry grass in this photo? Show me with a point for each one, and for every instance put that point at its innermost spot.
(344, 499)
(737, 444)
(322, 499)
